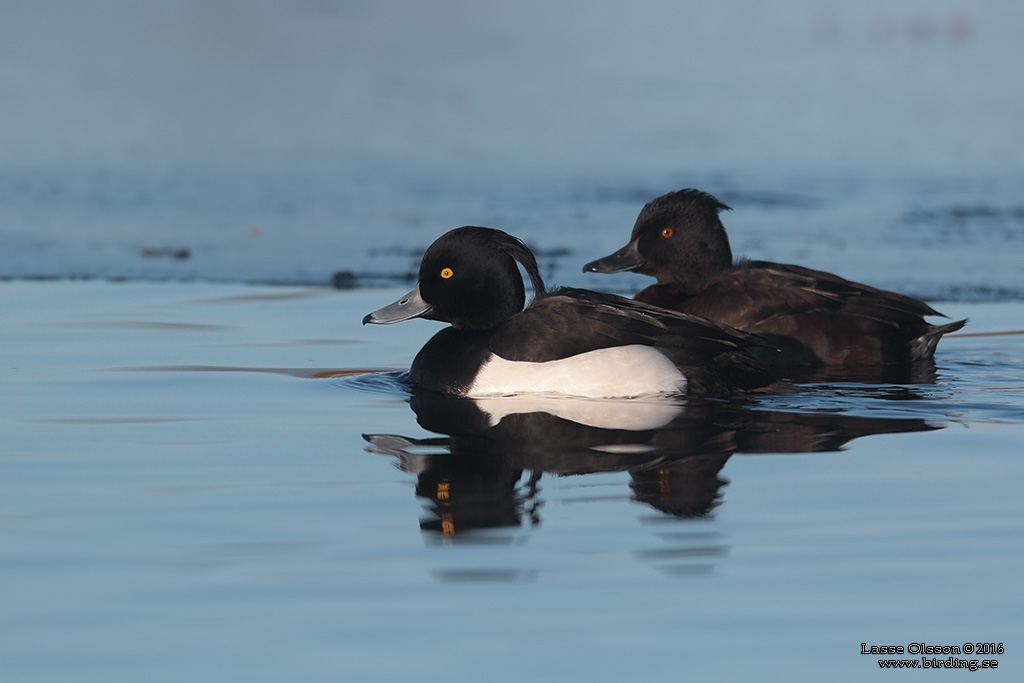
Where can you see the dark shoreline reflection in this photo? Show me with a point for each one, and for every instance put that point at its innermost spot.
(472, 477)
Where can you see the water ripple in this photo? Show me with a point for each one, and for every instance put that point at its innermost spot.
(392, 383)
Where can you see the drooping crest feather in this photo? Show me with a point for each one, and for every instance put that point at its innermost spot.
(514, 247)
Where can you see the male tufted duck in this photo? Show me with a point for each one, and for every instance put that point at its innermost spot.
(569, 341)
(813, 318)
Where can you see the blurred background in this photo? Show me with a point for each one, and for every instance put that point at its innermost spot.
(311, 141)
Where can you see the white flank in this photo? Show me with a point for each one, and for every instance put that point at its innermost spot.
(617, 372)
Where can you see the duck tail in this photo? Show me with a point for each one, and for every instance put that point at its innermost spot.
(924, 346)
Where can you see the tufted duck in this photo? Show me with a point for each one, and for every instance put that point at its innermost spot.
(813, 318)
(569, 341)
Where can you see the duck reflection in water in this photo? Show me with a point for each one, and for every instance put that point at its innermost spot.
(673, 450)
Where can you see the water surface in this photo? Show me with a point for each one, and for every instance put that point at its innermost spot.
(196, 485)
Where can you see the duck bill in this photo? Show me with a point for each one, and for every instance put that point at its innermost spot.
(627, 258)
(409, 306)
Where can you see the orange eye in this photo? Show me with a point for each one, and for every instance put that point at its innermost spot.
(667, 232)
(446, 273)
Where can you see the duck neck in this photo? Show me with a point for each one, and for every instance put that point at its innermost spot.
(704, 261)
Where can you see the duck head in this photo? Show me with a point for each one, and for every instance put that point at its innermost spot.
(469, 278)
(678, 238)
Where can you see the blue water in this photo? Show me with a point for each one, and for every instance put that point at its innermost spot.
(195, 487)
(209, 470)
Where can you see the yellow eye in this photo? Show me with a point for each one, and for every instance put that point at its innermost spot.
(446, 273)
(667, 232)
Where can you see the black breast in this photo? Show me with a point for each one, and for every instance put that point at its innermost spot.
(449, 362)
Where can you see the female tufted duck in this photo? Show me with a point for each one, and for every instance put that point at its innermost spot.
(569, 341)
(813, 318)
